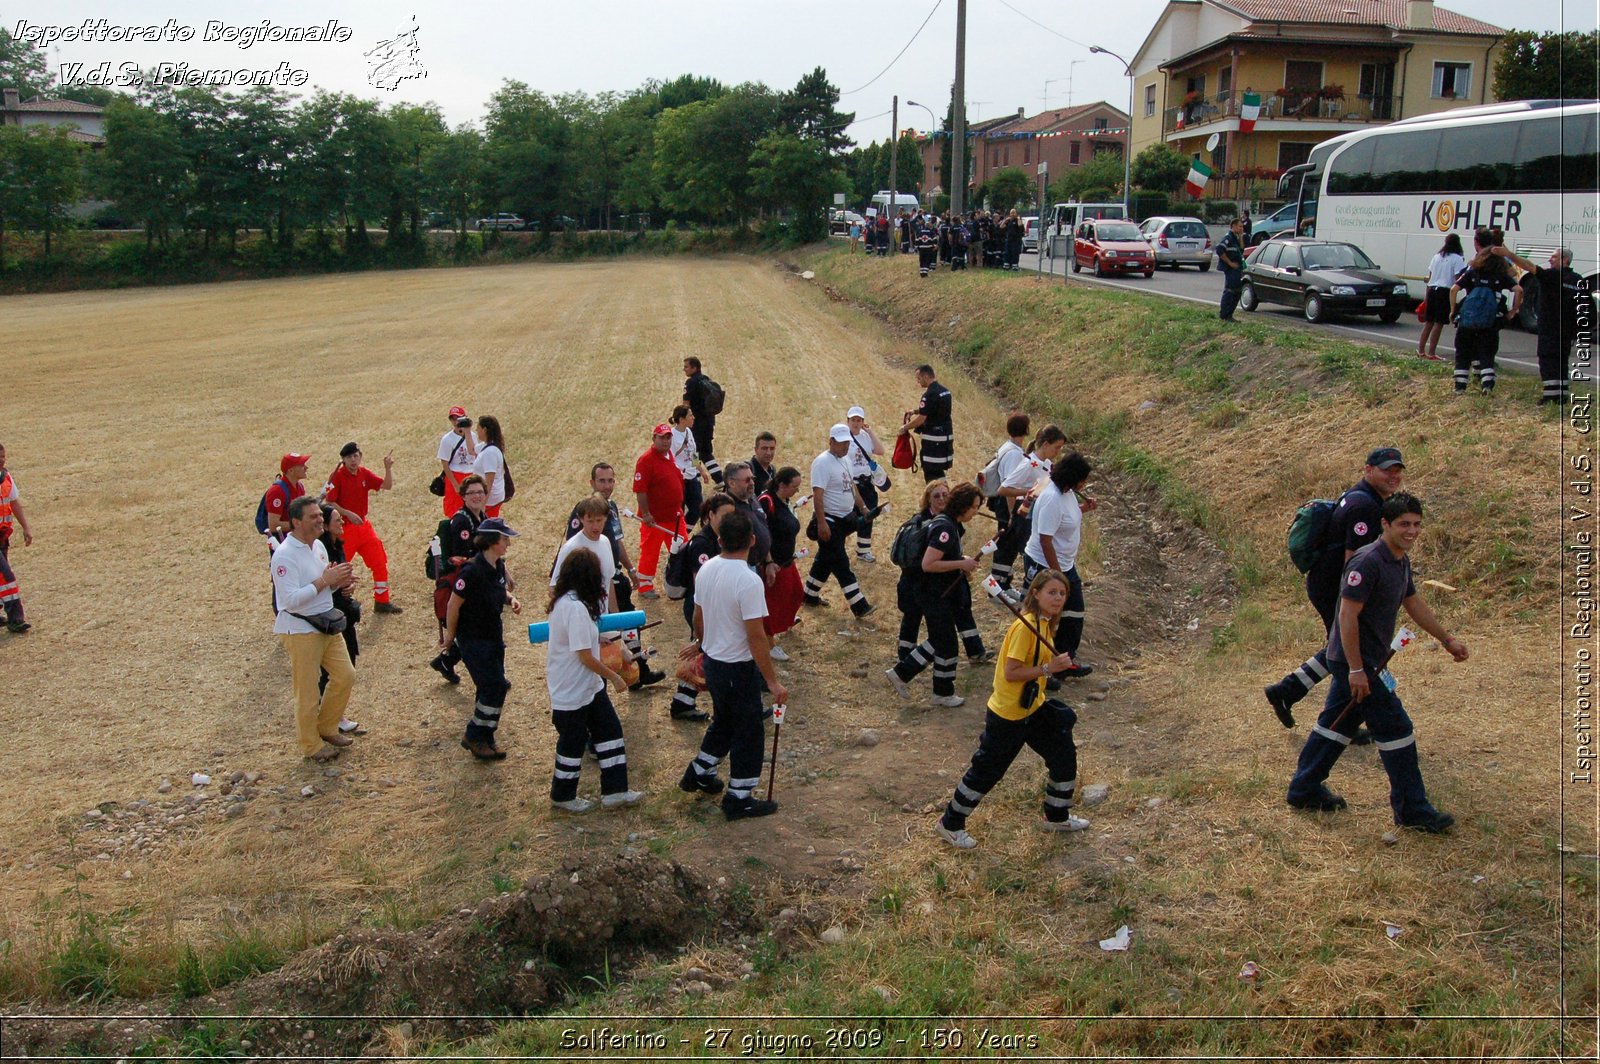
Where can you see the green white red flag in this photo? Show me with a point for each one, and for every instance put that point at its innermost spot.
(1249, 111)
(1199, 174)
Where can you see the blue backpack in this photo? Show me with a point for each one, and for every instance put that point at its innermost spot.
(1479, 310)
(261, 507)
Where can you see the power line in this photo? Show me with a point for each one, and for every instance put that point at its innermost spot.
(853, 121)
(902, 51)
(1042, 26)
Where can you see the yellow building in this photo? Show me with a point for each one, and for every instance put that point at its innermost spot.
(1320, 68)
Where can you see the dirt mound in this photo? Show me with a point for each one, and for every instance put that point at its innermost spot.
(512, 954)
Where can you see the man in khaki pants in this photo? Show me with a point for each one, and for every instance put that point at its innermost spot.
(305, 582)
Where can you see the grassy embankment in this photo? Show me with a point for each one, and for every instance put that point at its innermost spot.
(1235, 426)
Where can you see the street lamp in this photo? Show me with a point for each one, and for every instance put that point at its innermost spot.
(925, 107)
(1127, 143)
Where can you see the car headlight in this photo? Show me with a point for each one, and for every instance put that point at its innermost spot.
(1109, 254)
(1342, 290)
(1401, 290)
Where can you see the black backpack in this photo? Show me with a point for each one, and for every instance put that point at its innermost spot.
(712, 397)
(261, 507)
(910, 541)
(430, 564)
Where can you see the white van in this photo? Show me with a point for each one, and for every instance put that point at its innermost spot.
(903, 201)
(1064, 219)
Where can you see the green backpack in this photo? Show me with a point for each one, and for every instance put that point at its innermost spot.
(1308, 532)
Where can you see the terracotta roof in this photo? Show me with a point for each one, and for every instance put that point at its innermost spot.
(1391, 13)
(84, 138)
(37, 105)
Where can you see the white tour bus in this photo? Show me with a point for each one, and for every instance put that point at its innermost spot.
(1528, 167)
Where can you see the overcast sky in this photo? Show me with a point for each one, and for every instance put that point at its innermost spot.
(467, 48)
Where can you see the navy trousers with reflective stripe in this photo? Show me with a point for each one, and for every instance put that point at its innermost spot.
(1048, 730)
(595, 723)
(486, 664)
(736, 730)
(1382, 712)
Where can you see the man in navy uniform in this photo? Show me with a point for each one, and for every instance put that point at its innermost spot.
(934, 423)
(1355, 523)
(1230, 257)
(1376, 585)
(705, 423)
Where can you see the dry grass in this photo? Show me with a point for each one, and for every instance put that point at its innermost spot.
(578, 361)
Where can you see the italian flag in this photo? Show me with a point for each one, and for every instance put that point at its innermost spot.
(1249, 111)
(1199, 174)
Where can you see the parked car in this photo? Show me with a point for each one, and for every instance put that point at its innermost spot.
(1112, 246)
(1322, 277)
(839, 222)
(502, 221)
(1030, 234)
(1280, 222)
(1176, 242)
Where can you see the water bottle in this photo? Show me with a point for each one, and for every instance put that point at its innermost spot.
(1388, 679)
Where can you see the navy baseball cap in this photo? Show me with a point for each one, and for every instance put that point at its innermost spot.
(1386, 458)
(496, 526)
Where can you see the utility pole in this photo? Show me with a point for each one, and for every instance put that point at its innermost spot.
(894, 173)
(958, 149)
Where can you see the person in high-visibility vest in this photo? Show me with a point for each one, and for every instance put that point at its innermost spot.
(11, 510)
(348, 491)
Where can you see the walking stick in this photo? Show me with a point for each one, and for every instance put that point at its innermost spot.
(777, 726)
(992, 586)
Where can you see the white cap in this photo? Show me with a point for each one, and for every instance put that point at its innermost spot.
(855, 411)
(840, 433)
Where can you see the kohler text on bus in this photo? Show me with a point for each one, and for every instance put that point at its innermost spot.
(1470, 214)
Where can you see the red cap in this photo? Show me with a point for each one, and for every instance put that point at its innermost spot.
(662, 429)
(293, 459)
(458, 411)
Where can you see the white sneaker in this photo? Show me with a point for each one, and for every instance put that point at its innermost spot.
(778, 654)
(346, 725)
(574, 805)
(1072, 823)
(866, 557)
(900, 686)
(621, 798)
(949, 701)
(958, 838)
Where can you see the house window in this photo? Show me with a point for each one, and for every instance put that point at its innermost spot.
(1293, 153)
(1101, 123)
(1005, 156)
(994, 158)
(1224, 81)
(1149, 100)
(1377, 85)
(1452, 81)
(1219, 158)
(1072, 153)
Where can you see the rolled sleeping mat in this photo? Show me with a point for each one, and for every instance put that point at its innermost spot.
(539, 631)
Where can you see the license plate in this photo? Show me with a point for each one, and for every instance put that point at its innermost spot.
(1376, 302)
(1186, 245)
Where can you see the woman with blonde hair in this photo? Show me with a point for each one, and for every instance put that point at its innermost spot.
(1019, 715)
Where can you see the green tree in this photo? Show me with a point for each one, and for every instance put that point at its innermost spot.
(452, 173)
(1548, 66)
(1103, 171)
(527, 139)
(908, 153)
(23, 66)
(415, 133)
(1008, 188)
(40, 176)
(1160, 168)
(809, 110)
(703, 150)
(791, 171)
(143, 169)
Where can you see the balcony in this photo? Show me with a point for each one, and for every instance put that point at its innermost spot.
(1299, 105)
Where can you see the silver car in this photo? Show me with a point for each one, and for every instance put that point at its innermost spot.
(1178, 241)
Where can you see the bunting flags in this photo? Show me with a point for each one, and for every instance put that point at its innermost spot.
(1249, 111)
(1199, 174)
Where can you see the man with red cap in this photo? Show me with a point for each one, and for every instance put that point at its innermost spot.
(273, 518)
(349, 489)
(658, 485)
(457, 449)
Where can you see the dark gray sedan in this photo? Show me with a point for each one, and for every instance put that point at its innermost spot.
(1322, 278)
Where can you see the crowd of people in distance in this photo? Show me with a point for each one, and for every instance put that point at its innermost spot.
(732, 541)
(976, 238)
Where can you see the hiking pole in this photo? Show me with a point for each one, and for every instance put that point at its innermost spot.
(992, 586)
(777, 726)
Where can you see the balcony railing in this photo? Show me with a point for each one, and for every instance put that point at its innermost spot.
(1287, 104)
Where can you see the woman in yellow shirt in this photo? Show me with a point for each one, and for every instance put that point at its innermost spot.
(1019, 715)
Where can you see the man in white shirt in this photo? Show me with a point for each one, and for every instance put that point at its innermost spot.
(729, 605)
(304, 582)
(457, 450)
(834, 507)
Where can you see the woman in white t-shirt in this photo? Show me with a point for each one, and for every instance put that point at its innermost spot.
(1016, 489)
(1057, 530)
(688, 458)
(580, 709)
(491, 461)
(1443, 270)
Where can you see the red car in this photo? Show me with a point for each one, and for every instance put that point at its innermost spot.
(1112, 246)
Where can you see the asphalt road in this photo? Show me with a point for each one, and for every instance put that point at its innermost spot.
(1517, 351)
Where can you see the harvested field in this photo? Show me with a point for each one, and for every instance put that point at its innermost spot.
(151, 659)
